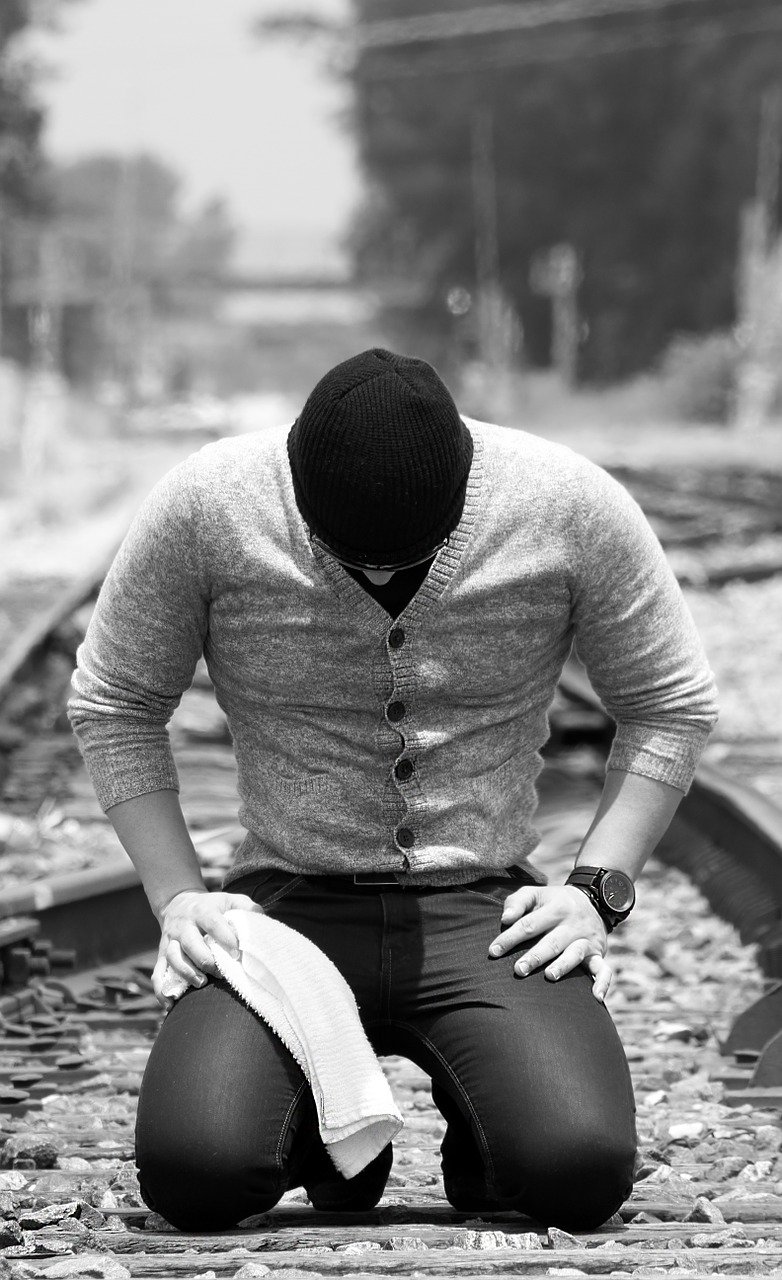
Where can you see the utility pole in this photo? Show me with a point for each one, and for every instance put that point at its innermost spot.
(122, 326)
(2, 267)
(566, 277)
(555, 274)
(498, 329)
(759, 282)
(484, 186)
(43, 416)
(490, 305)
(47, 313)
(769, 158)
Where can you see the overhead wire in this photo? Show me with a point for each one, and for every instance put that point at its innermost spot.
(586, 44)
(499, 19)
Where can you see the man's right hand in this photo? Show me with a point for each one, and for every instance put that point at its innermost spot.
(186, 922)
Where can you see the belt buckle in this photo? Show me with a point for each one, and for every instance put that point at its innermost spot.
(375, 877)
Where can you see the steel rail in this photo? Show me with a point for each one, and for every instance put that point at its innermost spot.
(40, 631)
(726, 837)
(741, 827)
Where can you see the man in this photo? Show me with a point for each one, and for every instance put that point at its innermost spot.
(385, 595)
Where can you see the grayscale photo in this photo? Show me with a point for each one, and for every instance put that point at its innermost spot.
(390, 639)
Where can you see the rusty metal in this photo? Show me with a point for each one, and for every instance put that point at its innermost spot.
(753, 1028)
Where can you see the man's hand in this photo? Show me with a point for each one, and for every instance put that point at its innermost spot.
(186, 922)
(569, 929)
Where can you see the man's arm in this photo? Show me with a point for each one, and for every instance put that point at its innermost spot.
(637, 638)
(142, 646)
(632, 816)
(152, 830)
(639, 644)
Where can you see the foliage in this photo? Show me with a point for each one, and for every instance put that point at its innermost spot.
(640, 154)
(121, 220)
(21, 117)
(114, 252)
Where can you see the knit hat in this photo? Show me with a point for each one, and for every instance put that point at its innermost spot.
(380, 459)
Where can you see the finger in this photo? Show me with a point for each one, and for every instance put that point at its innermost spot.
(170, 965)
(217, 927)
(530, 926)
(519, 903)
(574, 954)
(183, 963)
(545, 950)
(158, 974)
(602, 973)
(241, 902)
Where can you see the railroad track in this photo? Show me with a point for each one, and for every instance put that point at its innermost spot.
(717, 526)
(77, 1018)
(73, 1046)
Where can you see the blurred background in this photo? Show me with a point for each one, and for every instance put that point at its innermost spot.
(205, 201)
(571, 207)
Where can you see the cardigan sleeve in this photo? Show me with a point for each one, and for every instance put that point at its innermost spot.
(637, 639)
(142, 645)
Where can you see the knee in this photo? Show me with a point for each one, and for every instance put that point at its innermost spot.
(576, 1184)
(199, 1191)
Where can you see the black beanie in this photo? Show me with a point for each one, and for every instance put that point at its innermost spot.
(380, 459)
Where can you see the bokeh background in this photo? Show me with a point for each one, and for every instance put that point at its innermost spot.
(203, 199)
(570, 206)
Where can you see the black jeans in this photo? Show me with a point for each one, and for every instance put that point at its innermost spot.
(529, 1075)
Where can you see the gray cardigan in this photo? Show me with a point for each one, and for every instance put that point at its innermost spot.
(325, 694)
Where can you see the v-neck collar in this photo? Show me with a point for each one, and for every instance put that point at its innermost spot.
(370, 612)
(365, 608)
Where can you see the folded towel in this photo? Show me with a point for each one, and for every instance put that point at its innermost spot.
(307, 1003)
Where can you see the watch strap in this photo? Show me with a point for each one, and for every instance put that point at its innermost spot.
(589, 880)
(609, 919)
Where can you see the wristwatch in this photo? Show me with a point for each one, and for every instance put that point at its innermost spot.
(610, 892)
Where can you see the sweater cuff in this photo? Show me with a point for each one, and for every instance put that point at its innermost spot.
(123, 775)
(658, 753)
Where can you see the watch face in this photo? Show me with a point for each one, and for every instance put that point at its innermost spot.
(617, 891)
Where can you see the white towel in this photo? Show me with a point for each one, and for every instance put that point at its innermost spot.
(305, 1001)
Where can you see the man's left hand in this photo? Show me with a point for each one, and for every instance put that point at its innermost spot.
(569, 930)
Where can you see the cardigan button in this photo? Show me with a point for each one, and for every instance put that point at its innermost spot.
(404, 769)
(405, 838)
(395, 711)
(396, 638)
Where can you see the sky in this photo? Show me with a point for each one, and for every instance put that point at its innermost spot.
(252, 119)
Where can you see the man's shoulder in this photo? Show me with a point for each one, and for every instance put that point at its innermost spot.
(516, 456)
(253, 452)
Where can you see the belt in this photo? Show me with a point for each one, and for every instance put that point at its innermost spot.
(370, 881)
(373, 880)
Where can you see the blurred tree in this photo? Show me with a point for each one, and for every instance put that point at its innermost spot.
(627, 131)
(119, 213)
(21, 117)
(127, 245)
(22, 184)
(90, 251)
(124, 214)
